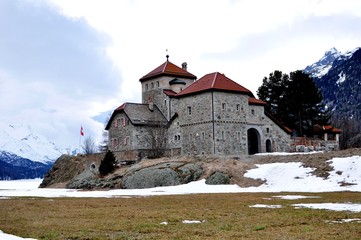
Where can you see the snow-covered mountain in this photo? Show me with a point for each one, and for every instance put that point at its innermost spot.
(15, 167)
(322, 66)
(22, 141)
(338, 76)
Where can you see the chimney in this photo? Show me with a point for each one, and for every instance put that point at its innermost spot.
(184, 66)
(151, 105)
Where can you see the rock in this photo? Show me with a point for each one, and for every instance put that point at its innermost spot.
(218, 178)
(85, 180)
(190, 172)
(151, 177)
(164, 174)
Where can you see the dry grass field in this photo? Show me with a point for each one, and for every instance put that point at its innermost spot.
(222, 216)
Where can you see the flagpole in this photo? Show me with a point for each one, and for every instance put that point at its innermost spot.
(79, 144)
(80, 135)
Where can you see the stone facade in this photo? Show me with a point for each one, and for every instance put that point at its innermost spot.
(212, 115)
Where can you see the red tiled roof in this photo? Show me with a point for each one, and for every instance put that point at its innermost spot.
(121, 107)
(215, 81)
(255, 101)
(169, 92)
(326, 128)
(168, 69)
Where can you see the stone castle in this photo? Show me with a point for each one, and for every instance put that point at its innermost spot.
(180, 115)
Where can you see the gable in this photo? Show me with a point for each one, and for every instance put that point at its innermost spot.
(139, 114)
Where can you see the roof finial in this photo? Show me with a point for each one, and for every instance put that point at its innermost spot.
(167, 56)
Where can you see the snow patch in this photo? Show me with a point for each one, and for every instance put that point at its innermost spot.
(192, 221)
(294, 197)
(347, 220)
(265, 206)
(5, 236)
(341, 78)
(351, 207)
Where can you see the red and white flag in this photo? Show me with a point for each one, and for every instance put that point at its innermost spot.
(81, 131)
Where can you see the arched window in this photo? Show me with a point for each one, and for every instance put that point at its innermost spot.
(268, 146)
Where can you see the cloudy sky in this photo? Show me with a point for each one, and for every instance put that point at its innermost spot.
(63, 63)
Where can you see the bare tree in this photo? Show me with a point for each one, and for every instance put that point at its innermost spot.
(103, 145)
(156, 138)
(89, 146)
(351, 135)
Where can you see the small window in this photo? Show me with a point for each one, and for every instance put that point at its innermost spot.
(238, 107)
(157, 83)
(202, 136)
(190, 136)
(189, 110)
(114, 142)
(146, 87)
(252, 111)
(238, 136)
(223, 135)
(152, 85)
(175, 138)
(223, 106)
(178, 137)
(124, 122)
(267, 130)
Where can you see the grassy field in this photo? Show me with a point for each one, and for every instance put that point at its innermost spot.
(224, 216)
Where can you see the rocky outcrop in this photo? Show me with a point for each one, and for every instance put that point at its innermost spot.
(81, 172)
(69, 168)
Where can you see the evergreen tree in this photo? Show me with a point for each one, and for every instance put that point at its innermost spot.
(272, 91)
(295, 100)
(107, 165)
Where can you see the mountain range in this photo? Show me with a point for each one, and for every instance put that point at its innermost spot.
(338, 76)
(24, 153)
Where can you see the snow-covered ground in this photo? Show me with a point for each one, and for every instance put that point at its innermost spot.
(280, 177)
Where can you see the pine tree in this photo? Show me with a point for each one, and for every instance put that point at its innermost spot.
(272, 91)
(107, 165)
(295, 100)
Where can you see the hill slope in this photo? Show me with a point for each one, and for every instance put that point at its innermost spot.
(77, 172)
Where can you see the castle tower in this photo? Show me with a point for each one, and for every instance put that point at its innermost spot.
(167, 79)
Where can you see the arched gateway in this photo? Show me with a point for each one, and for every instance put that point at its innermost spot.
(254, 141)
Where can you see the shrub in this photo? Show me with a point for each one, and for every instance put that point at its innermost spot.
(107, 165)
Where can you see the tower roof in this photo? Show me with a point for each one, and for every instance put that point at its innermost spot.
(168, 69)
(215, 81)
